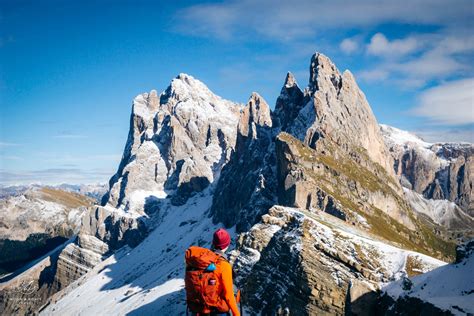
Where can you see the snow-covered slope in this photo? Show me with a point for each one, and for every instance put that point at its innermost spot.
(442, 212)
(450, 287)
(149, 278)
(395, 136)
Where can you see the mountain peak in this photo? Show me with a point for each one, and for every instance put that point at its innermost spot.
(184, 82)
(289, 103)
(322, 73)
(259, 109)
(255, 113)
(290, 80)
(186, 87)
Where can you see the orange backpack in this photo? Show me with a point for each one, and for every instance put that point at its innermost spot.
(202, 284)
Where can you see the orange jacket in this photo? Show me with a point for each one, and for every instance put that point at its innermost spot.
(226, 280)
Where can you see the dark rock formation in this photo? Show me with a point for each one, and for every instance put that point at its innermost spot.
(246, 187)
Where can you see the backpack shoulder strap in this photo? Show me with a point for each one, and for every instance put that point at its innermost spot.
(221, 255)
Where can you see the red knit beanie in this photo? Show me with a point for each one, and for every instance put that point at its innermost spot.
(221, 239)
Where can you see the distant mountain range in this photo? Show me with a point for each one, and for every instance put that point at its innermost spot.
(95, 191)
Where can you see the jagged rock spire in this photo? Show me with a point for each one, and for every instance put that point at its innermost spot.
(332, 106)
(290, 80)
(255, 113)
(323, 74)
(289, 103)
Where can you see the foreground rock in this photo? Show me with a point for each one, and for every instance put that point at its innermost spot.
(316, 264)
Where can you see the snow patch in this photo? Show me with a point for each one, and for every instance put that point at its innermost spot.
(446, 287)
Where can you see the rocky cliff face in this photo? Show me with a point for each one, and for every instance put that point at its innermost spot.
(438, 171)
(178, 142)
(36, 221)
(41, 210)
(443, 212)
(334, 108)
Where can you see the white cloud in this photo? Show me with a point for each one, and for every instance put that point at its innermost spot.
(373, 75)
(380, 46)
(446, 135)
(286, 20)
(431, 65)
(349, 45)
(418, 59)
(450, 103)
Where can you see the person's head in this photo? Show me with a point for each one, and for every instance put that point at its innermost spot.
(221, 239)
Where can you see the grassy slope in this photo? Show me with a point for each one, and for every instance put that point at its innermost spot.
(68, 199)
(342, 169)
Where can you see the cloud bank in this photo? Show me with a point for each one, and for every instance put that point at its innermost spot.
(284, 20)
(451, 103)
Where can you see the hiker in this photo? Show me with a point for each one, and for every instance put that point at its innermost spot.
(208, 280)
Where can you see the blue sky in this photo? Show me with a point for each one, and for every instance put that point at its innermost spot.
(70, 69)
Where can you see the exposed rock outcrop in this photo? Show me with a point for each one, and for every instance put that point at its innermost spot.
(315, 264)
(442, 212)
(42, 210)
(35, 222)
(332, 182)
(289, 103)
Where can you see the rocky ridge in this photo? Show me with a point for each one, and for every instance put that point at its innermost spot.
(250, 170)
(320, 264)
